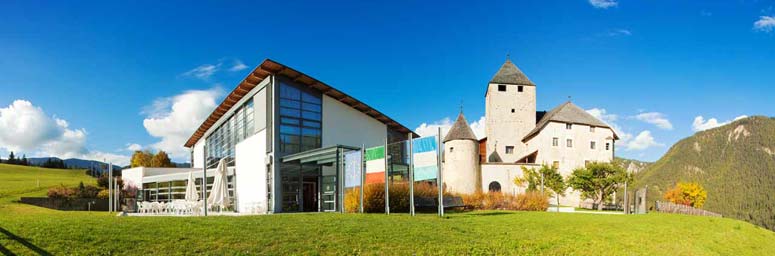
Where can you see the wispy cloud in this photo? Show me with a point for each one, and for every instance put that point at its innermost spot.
(619, 32)
(700, 124)
(431, 129)
(655, 118)
(203, 72)
(237, 66)
(765, 24)
(603, 4)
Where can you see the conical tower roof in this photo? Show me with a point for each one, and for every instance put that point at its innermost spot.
(510, 74)
(460, 130)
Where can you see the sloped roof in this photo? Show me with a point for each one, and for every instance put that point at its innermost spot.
(510, 74)
(270, 67)
(460, 130)
(568, 113)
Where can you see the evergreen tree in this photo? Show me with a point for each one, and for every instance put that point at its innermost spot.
(11, 159)
(24, 160)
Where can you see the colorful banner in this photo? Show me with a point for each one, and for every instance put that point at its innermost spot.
(425, 152)
(375, 165)
(352, 169)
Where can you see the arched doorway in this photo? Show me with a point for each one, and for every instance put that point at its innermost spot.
(494, 187)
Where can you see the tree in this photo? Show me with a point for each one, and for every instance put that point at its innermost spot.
(598, 181)
(689, 194)
(24, 160)
(11, 159)
(161, 159)
(141, 159)
(552, 179)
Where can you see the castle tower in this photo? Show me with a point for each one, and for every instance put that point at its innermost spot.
(461, 158)
(510, 112)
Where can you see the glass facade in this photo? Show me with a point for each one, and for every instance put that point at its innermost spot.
(222, 142)
(299, 130)
(167, 191)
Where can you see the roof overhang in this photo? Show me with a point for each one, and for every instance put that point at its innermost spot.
(269, 67)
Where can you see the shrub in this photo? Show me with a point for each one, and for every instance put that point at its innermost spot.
(374, 196)
(61, 192)
(530, 201)
(103, 194)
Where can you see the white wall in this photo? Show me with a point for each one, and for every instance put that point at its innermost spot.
(199, 153)
(505, 128)
(133, 176)
(503, 174)
(574, 157)
(461, 166)
(251, 174)
(345, 125)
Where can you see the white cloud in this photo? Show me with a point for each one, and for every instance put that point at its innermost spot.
(603, 4)
(174, 119)
(238, 65)
(134, 147)
(700, 124)
(619, 32)
(26, 128)
(643, 141)
(426, 129)
(655, 118)
(765, 24)
(203, 72)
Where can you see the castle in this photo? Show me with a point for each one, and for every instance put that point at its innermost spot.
(566, 137)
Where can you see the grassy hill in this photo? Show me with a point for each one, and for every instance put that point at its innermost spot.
(29, 230)
(735, 163)
(16, 179)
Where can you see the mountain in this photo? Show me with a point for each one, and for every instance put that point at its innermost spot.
(631, 165)
(735, 163)
(75, 163)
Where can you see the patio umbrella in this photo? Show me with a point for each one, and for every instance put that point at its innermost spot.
(219, 193)
(191, 194)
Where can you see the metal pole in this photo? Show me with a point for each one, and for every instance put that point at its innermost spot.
(626, 203)
(542, 183)
(439, 179)
(363, 177)
(110, 188)
(411, 174)
(340, 172)
(387, 186)
(204, 179)
(116, 195)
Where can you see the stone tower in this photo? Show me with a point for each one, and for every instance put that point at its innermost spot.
(461, 158)
(510, 112)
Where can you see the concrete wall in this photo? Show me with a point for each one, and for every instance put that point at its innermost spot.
(505, 128)
(461, 166)
(345, 125)
(503, 174)
(251, 174)
(570, 158)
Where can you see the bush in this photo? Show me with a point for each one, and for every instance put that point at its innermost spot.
(374, 196)
(103, 194)
(530, 201)
(61, 192)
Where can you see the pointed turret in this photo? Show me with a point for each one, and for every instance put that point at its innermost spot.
(460, 130)
(510, 74)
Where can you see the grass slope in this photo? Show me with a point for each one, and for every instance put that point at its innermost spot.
(29, 230)
(735, 163)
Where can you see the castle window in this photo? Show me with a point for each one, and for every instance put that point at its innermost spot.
(591, 129)
(512, 110)
(568, 126)
(569, 143)
(501, 87)
(494, 186)
(556, 165)
(519, 89)
(607, 146)
(555, 141)
(451, 149)
(509, 149)
(592, 145)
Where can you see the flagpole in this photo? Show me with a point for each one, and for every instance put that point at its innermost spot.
(387, 189)
(363, 176)
(204, 179)
(411, 174)
(110, 188)
(439, 179)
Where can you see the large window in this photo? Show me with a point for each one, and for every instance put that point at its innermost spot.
(223, 141)
(300, 120)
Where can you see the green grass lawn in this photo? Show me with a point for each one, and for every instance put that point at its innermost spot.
(32, 230)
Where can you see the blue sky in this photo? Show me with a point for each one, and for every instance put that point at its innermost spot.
(105, 68)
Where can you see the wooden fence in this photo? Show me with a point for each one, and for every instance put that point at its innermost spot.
(668, 207)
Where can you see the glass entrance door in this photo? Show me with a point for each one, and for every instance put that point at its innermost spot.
(328, 193)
